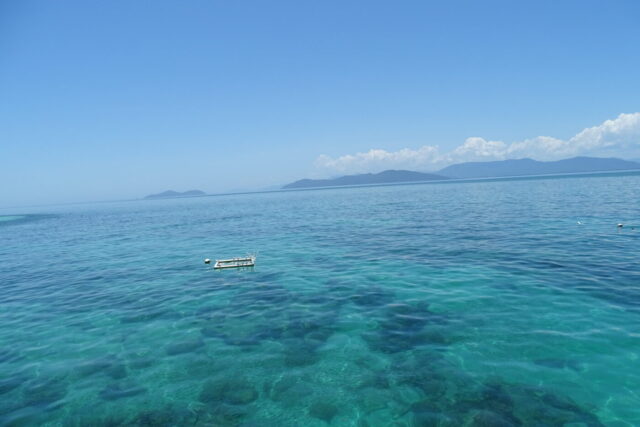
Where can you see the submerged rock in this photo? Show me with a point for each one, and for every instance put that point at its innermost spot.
(164, 417)
(485, 418)
(372, 296)
(289, 390)
(227, 415)
(119, 391)
(9, 355)
(300, 353)
(212, 331)
(94, 366)
(109, 420)
(266, 313)
(495, 397)
(108, 365)
(234, 391)
(45, 391)
(512, 404)
(8, 384)
(117, 371)
(263, 295)
(141, 362)
(427, 413)
(202, 366)
(142, 316)
(405, 328)
(338, 289)
(373, 399)
(323, 411)
(559, 364)
(282, 384)
(186, 346)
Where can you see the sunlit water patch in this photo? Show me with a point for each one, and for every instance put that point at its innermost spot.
(488, 303)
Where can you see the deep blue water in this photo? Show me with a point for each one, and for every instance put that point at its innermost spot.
(481, 303)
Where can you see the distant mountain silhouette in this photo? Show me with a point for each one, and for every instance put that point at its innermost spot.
(388, 176)
(534, 167)
(499, 168)
(170, 194)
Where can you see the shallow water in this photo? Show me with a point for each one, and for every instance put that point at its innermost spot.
(481, 303)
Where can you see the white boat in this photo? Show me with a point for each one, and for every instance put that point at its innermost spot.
(248, 261)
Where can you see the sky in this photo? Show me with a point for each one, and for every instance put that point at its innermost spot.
(120, 99)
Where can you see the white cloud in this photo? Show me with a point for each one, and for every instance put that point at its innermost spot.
(619, 136)
(476, 148)
(622, 131)
(379, 159)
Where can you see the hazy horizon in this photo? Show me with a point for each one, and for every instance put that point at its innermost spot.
(120, 100)
(277, 188)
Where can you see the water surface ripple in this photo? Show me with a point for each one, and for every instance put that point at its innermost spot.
(479, 304)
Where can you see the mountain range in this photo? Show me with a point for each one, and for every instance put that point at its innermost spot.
(367, 178)
(533, 167)
(502, 168)
(170, 194)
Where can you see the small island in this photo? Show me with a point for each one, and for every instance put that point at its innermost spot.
(170, 194)
(385, 177)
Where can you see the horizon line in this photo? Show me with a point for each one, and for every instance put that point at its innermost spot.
(381, 184)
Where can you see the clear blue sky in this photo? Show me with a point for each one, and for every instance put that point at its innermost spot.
(119, 99)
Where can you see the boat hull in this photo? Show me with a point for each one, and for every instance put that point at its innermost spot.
(234, 263)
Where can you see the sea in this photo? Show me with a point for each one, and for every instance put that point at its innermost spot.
(480, 303)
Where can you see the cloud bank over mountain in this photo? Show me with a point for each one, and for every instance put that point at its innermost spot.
(616, 137)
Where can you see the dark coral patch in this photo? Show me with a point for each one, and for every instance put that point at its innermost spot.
(97, 420)
(559, 364)
(372, 296)
(141, 362)
(9, 355)
(227, 415)
(289, 390)
(142, 315)
(264, 313)
(503, 404)
(186, 346)
(94, 366)
(485, 418)
(263, 295)
(11, 383)
(428, 413)
(164, 417)
(268, 277)
(300, 353)
(119, 391)
(324, 411)
(109, 365)
(117, 371)
(405, 328)
(212, 331)
(230, 390)
(45, 391)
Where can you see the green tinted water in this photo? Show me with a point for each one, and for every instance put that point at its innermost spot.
(486, 303)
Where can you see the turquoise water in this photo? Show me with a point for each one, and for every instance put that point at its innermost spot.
(483, 303)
